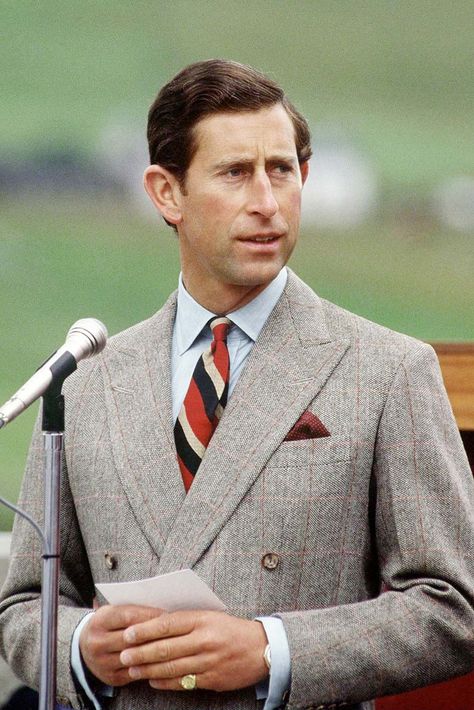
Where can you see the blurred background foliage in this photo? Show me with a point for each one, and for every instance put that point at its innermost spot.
(389, 212)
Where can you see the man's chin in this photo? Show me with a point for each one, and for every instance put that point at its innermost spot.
(259, 274)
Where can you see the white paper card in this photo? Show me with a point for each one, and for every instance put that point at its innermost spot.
(173, 591)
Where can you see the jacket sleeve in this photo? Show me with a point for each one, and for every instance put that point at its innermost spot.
(419, 630)
(20, 601)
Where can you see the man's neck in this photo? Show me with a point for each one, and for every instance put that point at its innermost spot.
(221, 303)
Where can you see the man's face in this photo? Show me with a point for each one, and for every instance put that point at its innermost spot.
(239, 211)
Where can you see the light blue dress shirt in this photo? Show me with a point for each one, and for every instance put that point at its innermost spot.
(191, 336)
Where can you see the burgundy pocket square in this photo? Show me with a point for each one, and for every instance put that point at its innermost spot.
(308, 426)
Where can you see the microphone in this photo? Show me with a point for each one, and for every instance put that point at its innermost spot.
(85, 338)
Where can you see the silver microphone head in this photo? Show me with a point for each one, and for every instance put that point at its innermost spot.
(93, 330)
(85, 338)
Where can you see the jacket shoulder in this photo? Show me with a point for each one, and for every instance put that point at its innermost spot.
(376, 344)
(344, 323)
(127, 342)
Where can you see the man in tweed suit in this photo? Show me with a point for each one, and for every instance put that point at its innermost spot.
(334, 501)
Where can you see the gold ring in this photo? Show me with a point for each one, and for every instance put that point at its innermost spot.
(188, 682)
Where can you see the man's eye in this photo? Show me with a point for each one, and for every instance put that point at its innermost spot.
(235, 172)
(283, 168)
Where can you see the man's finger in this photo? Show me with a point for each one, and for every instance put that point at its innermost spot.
(167, 684)
(175, 683)
(164, 626)
(116, 678)
(101, 642)
(161, 651)
(121, 616)
(172, 669)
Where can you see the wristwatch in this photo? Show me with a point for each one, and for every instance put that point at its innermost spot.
(267, 657)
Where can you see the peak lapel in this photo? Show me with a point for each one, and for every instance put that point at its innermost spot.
(138, 397)
(290, 362)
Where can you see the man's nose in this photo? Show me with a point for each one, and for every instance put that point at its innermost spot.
(261, 199)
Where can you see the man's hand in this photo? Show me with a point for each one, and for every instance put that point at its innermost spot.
(101, 640)
(224, 652)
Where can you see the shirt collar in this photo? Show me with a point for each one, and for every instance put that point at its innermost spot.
(191, 317)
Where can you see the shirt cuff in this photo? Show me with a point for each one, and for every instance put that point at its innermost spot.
(80, 671)
(277, 685)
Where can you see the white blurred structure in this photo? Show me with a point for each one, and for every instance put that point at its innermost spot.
(341, 190)
(453, 203)
(123, 154)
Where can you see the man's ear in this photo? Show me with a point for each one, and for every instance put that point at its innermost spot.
(304, 169)
(164, 191)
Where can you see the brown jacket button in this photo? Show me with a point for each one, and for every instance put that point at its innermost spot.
(271, 560)
(110, 561)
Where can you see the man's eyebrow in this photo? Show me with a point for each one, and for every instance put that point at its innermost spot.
(244, 162)
(232, 162)
(283, 158)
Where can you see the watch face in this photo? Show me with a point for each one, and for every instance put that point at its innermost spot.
(267, 656)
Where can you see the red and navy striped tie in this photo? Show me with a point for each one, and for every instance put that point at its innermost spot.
(204, 402)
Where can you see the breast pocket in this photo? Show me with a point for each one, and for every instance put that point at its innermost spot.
(311, 452)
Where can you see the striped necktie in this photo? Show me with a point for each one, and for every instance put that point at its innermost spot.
(204, 402)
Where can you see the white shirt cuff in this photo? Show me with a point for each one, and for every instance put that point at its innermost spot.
(78, 667)
(278, 685)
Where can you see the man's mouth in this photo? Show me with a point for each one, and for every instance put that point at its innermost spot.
(261, 238)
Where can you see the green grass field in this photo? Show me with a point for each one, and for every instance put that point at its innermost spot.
(395, 77)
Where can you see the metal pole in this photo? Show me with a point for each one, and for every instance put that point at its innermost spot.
(53, 445)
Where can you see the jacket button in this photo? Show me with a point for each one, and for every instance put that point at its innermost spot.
(110, 561)
(271, 560)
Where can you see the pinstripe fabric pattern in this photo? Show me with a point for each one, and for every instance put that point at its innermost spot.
(204, 402)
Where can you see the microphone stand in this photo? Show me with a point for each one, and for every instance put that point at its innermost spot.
(53, 435)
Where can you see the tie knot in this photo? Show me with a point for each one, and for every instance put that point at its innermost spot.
(220, 328)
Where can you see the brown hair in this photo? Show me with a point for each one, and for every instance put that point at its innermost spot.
(205, 88)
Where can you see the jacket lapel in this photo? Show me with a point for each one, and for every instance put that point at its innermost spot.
(291, 361)
(138, 398)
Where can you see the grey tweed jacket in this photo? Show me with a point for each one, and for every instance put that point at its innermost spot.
(371, 528)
